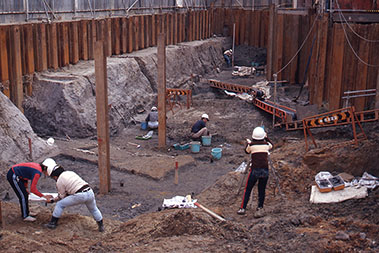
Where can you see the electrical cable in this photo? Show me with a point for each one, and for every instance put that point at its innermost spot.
(351, 28)
(302, 45)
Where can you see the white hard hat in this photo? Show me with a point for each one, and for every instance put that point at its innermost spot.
(50, 164)
(154, 108)
(50, 141)
(258, 133)
(205, 116)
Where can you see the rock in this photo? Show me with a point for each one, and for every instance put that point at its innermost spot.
(340, 235)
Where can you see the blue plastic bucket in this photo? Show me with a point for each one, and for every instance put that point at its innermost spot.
(216, 153)
(195, 146)
(206, 140)
(143, 125)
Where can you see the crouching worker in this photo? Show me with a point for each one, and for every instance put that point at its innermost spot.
(152, 118)
(259, 149)
(199, 128)
(72, 190)
(18, 177)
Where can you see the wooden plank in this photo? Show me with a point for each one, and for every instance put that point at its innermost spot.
(264, 29)
(16, 86)
(175, 31)
(180, 27)
(130, 34)
(74, 42)
(161, 52)
(171, 25)
(154, 24)
(83, 40)
(29, 49)
(270, 46)
(242, 26)
(116, 37)
(278, 62)
(40, 47)
(52, 46)
(294, 47)
(304, 53)
(91, 32)
(4, 64)
(257, 28)
(189, 26)
(148, 25)
(362, 68)
(102, 117)
(124, 35)
(167, 28)
(64, 44)
(197, 25)
(373, 73)
(334, 97)
(108, 37)
(322, 57)
(141, 31)
(137, 37)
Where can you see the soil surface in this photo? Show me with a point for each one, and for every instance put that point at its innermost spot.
(142, 175)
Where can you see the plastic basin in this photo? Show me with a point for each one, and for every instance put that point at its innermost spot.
(195, 146)
(216, 153)
(206, 140)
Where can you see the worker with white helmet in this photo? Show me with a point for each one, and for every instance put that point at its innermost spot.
(72, 190)
(228, 57)
(199, 128)
(152, 118)
(259, 149)
(18, 177)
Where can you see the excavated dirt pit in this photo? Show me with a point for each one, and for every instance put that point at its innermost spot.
(142, 177)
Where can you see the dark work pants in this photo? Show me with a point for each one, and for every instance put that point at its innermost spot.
(251, 180)
(19, 188)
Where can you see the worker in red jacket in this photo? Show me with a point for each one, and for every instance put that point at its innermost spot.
(18, 177)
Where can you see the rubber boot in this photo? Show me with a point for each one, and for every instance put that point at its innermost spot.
(100, 225)
(53, 223)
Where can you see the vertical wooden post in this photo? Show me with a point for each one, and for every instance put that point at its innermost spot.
(377, 91)
(83, 40)
(270, 45)
(40, 47)
(115, 35)
(102, 117)
(124, 35)
(175, 31)
(130, 34)
(17, 93)
(74, 42)
(362, 69)
(108, 37)
(161, 90)
(4, 74)
(1, 216)
(136, 30)
(279, 46)
(336, 65)
(64, 45)
(154, 23)
(52, 46)
(148, 30)
(294, 47)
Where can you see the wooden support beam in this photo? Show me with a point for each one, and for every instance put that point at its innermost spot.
(130, 34)
(322, 55)
(161, 52)
(52, 46)
(334, 90)
(176, 28)
(108, 37)
(207, 24)
(102, 117)
(171, 23)
(180, 27)
(141, 31)
(137, 37)
(91, 32)
(154, 27)
(116, 38)
(124, 35)
(377, 91)
(40, 56)
(1, 216)
(189, 26)
(17, 93)
(64, 45)
(4, 74)
(83, 40)
(148, 25)
(167, 28)
(362, 69)
(278, 62)
(197, 25)
(270, 46)
(294, 47)
(242, 26)
(74, 42)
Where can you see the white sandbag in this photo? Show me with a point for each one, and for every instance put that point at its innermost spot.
(337, 196)
(33, 197)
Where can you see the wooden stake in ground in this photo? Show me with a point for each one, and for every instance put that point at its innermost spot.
(161, 90)
(1, 217)
(102, 117)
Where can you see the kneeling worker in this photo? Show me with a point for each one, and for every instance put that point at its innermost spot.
(72, 190)
(199, 128)
(152, 118)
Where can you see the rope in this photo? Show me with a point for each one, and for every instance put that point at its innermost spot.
(302, 45)
(355, 53)
(351, 28)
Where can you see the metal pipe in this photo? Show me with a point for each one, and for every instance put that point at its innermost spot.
(127, 11)
(210, 212)
(359, 91)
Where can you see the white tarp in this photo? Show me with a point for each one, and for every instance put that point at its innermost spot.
(33, 197)
(337, 196)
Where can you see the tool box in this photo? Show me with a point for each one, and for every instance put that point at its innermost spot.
(324, 185)
(337, 183)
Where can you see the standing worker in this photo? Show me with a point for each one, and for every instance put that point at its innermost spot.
(152, 118)
(228, 57)
(18, 177)
(259, 149)
(199, 128)
(72, 190)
